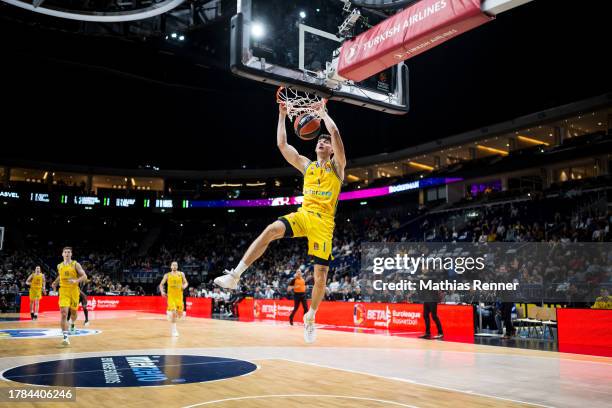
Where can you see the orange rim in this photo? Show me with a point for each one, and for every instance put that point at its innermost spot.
(279, 100)
(278, 91)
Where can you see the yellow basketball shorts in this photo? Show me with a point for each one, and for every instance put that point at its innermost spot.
(318, 228)
(175, 303)
(69, 297)
(35, 294)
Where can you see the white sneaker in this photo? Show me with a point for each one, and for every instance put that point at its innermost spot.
(86, 324)
(310, 334)
(175, 333)
(227, 281)
(66, 342)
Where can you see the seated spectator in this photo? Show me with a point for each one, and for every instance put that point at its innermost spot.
(269, 293)
(334, 286)
(604, 301)
(218, 300)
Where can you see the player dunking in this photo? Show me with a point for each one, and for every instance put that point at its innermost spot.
(176, 284)
(314, 220)
(36, 281)
(69, 274)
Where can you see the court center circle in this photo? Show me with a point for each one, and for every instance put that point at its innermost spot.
(129, 371)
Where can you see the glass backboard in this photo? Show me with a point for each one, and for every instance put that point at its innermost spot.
(294, 43)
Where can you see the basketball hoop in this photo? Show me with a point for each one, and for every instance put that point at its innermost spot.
(300, 102)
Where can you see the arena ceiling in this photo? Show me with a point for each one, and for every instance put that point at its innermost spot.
(124, 95)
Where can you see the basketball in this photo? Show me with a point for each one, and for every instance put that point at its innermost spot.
(307, 126)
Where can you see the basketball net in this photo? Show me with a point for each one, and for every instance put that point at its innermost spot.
(300, 102)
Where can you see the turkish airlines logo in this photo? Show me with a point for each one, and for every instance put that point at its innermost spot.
(352, 53)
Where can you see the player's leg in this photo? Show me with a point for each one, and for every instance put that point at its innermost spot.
(172, 307)
(274, 231)
(83, 299)
(320, 237)
(74, 306)
(31, 306)
(64, 318)
(180, 308)
(64, 306)
(64, 324)
(36, 307)
(318, 289)
(318, 293)
(73, 318)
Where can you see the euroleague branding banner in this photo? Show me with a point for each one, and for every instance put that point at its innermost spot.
(264, 309)
(201, 307)
(405, 317)
(416, 29)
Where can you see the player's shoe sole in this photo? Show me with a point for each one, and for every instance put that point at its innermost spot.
(226, 281)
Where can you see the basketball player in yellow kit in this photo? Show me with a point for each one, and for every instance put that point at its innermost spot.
(323, 179)
(36, 281)
(176, 284)
(69, 274)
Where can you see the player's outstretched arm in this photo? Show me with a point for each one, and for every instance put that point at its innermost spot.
(29, 280)
(336, 141)
(289, 152)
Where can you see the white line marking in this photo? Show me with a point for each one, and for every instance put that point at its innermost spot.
(399, 404)
(419, 383)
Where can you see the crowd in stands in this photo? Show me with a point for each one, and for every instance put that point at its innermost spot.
(204, 248)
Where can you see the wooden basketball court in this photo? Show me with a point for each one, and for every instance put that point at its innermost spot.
(342, 369)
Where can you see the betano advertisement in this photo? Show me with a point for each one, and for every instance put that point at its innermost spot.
(197, 307)
(457, 321)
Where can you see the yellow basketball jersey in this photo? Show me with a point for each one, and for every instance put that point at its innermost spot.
(321, 188)
(37, 281)
(67, 272)
(175, 284)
